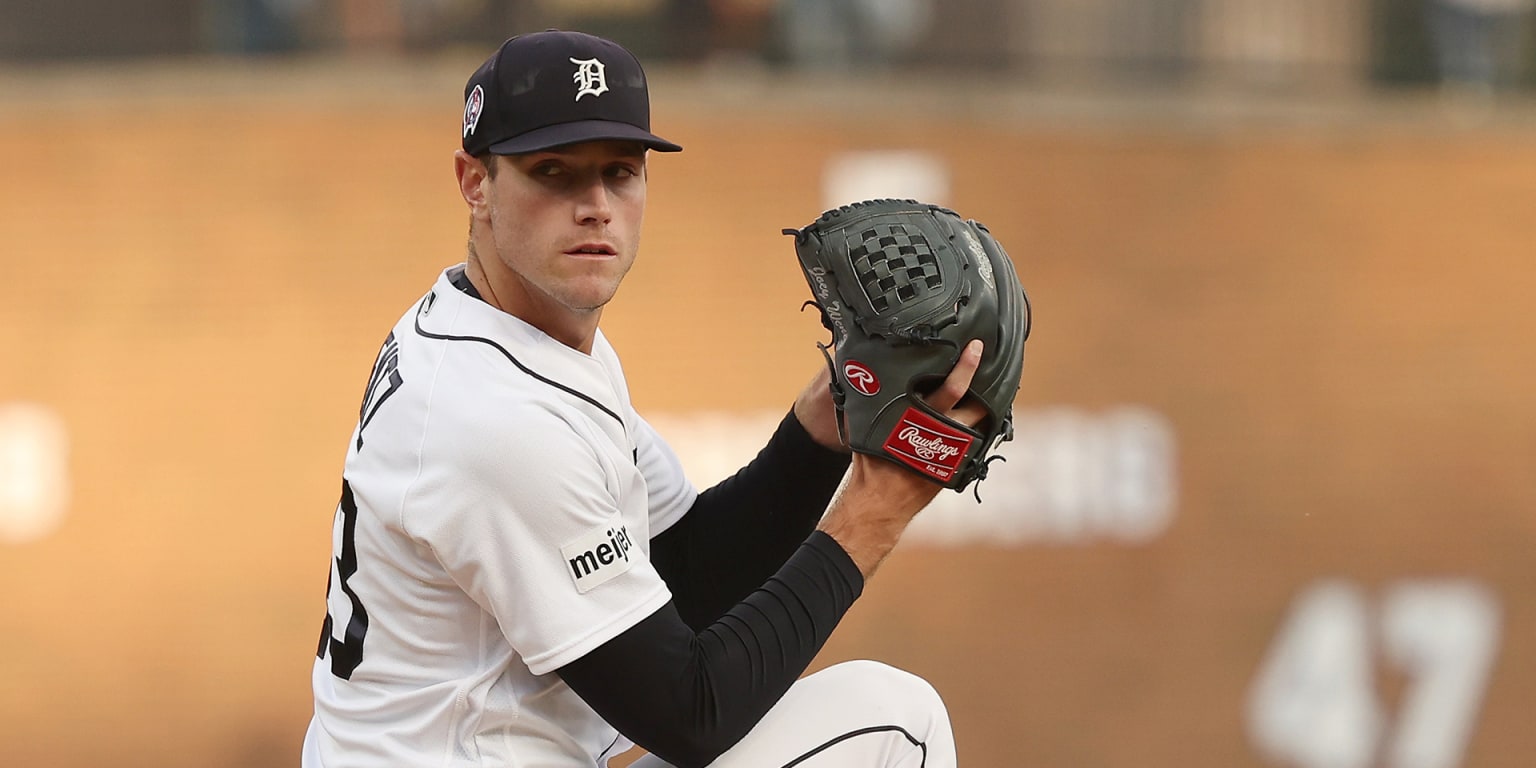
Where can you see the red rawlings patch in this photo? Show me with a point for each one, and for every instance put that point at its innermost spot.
(928, 445)
(861, 377)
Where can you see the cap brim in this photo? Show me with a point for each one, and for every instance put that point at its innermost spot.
(579, 131)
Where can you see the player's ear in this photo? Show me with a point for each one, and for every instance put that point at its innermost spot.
(473, 176)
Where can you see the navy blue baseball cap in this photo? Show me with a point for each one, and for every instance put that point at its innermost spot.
(545, 89)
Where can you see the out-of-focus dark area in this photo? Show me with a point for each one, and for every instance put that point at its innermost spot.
(1261, 43)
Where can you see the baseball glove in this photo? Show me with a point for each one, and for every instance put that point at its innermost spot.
(903, 286)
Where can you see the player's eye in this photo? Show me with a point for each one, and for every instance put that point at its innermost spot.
(623, 170)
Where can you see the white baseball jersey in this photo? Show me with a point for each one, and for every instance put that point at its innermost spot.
(499, 496)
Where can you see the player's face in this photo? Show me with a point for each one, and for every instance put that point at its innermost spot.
(566, 224)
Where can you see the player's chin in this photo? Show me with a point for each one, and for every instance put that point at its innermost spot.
(590, 294)
(597, 286)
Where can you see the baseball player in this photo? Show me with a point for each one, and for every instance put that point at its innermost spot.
(522, 575)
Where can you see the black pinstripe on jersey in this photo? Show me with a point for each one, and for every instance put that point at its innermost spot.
(520, 366)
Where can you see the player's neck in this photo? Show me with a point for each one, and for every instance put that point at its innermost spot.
(574, 328)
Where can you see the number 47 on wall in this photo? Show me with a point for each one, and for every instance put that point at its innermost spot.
(1314, 703)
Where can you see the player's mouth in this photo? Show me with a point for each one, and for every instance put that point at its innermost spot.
(592, 251)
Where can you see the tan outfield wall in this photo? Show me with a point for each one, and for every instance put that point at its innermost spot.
(1326, 328)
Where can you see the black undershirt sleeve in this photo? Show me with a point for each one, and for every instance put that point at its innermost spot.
(756, 593)
(741, 530)
(687, 697)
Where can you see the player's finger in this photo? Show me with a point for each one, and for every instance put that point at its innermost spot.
(952, 391)
(970, 412)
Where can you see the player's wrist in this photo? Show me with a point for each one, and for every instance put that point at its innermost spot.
(866, 547)
(875, 506)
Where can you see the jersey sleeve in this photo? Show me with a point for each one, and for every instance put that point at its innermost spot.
(671, 494)
(524, 509)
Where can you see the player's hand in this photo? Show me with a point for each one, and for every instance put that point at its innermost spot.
(879, 498)
(815, 412)
(949, 399)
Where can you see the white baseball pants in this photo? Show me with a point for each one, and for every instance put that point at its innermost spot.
(858, 714)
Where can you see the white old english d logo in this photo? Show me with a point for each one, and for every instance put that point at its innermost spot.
(589, 78)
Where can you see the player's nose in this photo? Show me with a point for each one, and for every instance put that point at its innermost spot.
(593, 204)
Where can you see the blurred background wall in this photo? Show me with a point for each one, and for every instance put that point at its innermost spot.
(1271, 501)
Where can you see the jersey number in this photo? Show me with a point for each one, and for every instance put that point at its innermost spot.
(384, 381)
(347, 652)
